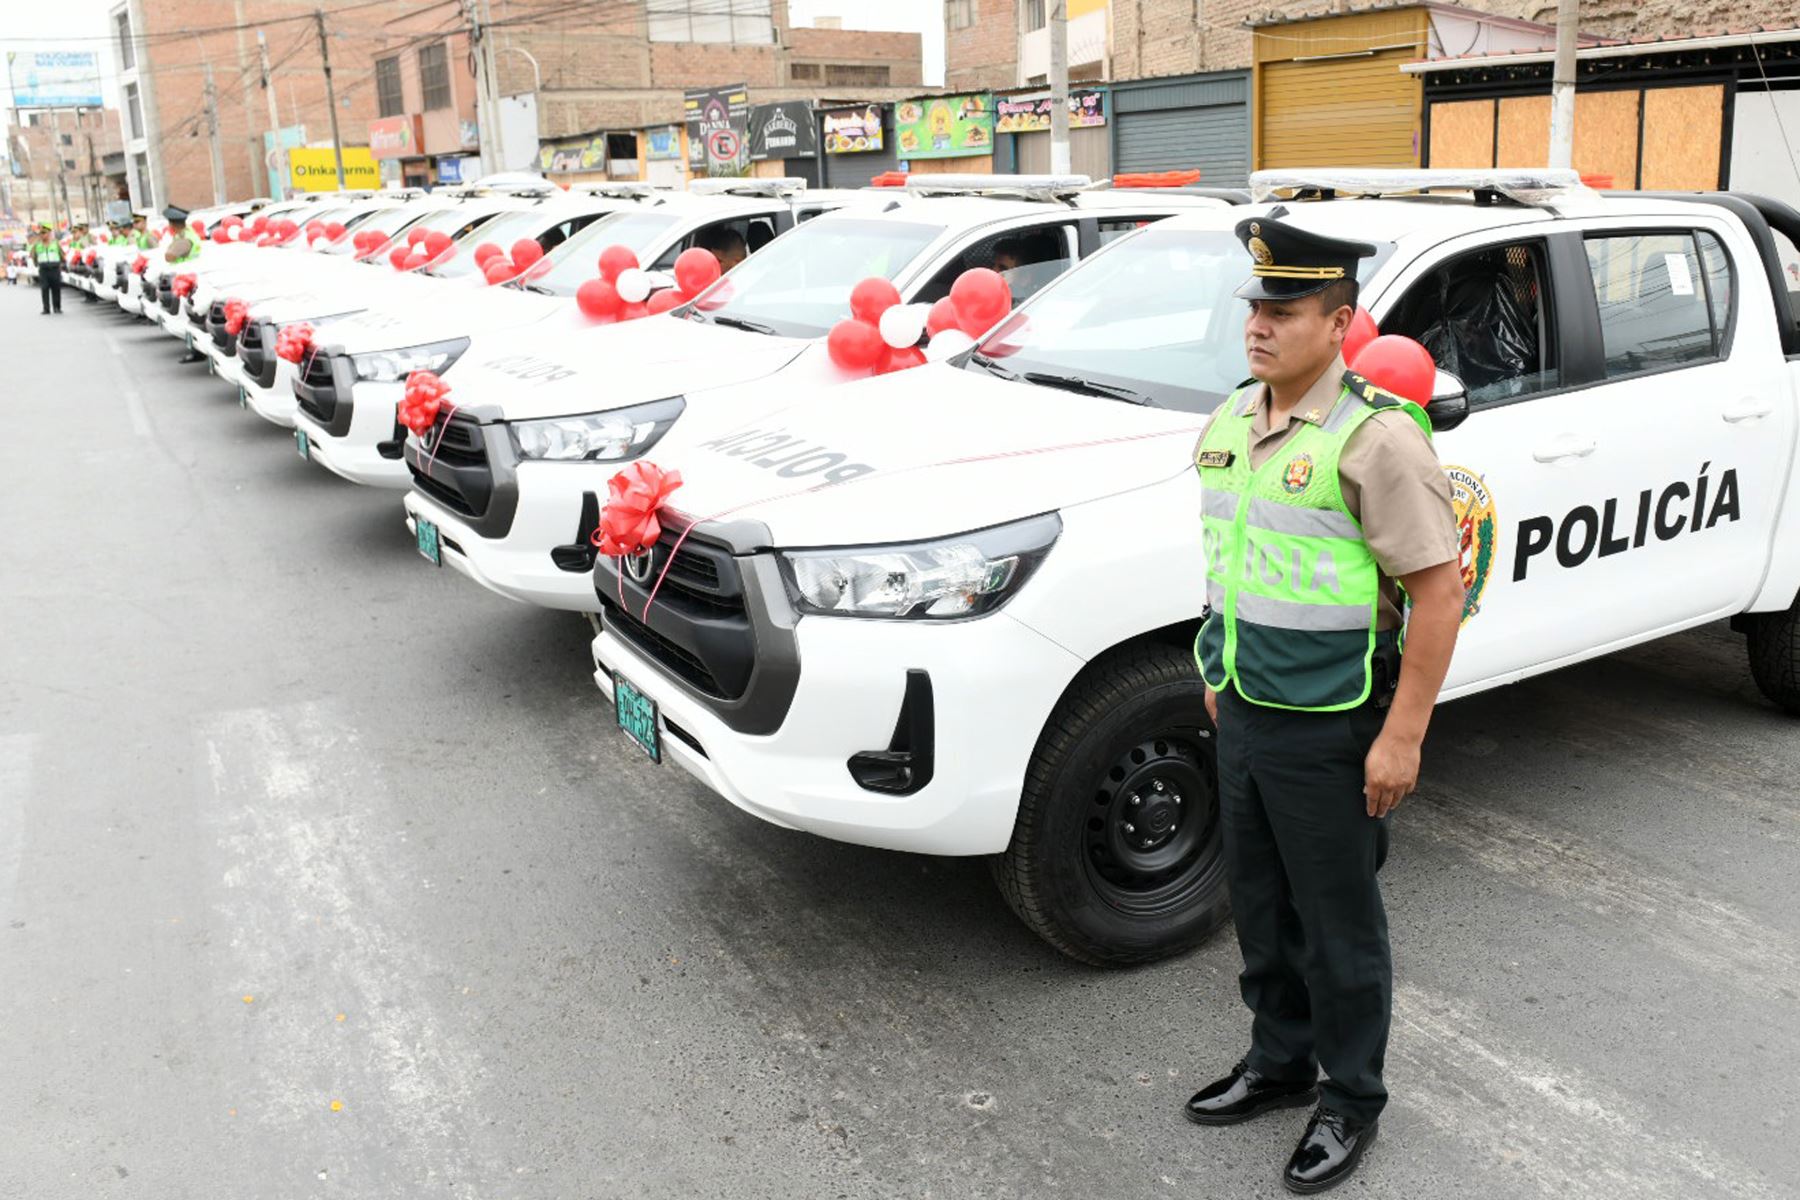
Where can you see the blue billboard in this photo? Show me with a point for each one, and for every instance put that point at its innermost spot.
(54, 78)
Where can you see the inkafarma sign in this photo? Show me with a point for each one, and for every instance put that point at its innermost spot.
(785, 130)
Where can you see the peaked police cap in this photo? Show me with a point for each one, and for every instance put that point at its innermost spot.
(1288, 262)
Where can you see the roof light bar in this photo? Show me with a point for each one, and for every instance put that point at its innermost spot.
(747, 187)
(1030, 187)
(1536, 187)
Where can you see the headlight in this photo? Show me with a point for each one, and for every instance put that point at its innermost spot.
(597, 437)
(963, 576)
(390, 366)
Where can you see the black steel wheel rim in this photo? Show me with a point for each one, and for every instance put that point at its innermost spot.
(1150, 839)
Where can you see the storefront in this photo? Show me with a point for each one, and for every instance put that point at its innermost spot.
(1184, 123)
(946, 134)
(858, 144)
(784, 141)
(1022, 133)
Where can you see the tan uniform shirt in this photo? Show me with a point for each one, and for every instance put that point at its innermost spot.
(1392, 482)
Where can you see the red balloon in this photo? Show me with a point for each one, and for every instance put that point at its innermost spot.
(599, 299)
(981, 298)
(855, 345)
(498, 270)
(232, 219)
(415, 236)
(436, 242)
(663, 301)
(417, 258)
(900, 360)
(631, 312)
(261, 223)
(941, 317)
(398, 257)
(334, 231)
(1400, 365)
(615, 259)
(219, 235)
(1362, 331)
(484, 252)
(696, 270)
(526, 251)
(286, 228)
(872, 297)
(198, 226)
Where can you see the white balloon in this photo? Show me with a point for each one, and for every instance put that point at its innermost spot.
(947, 343)
(902, 324)
(633, 285)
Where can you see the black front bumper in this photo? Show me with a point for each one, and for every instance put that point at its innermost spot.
(324, 391)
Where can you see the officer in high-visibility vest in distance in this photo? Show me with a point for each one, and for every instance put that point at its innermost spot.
(1321, 499)
(47, 253)
(140, 235)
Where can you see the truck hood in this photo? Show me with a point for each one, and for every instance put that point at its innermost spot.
(566, 364)
(419, 310)
(922, 453)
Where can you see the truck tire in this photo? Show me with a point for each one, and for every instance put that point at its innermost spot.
(1117, 856)
(1774, 642)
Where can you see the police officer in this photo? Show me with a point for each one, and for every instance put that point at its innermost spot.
(47, 253)
(1321, 500)
(140, 235)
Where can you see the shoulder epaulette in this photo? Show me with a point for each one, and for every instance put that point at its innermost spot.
(1370, 393)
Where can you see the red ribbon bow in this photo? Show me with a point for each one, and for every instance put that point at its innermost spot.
(294, 342)
(628, 523)
(425, 393)
(184, 284)
(138, 264)
(236, 313)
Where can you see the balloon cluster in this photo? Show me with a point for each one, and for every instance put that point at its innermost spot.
(628, 522)
(423, 248)
(185, 283)
(139, 265)
(497, 267)
(418, 408)
(1398, 364)
(369, 242)
(625, 291)
(882, 335)
(294, 342)
(236, 313)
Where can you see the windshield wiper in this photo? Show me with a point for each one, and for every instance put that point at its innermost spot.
(991, 367)
(539, 288)
(1087, 387)
(746, 326)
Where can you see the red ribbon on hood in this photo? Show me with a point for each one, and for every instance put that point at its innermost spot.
(138, 264)
(425, 393)
(294, 341)
(184, 283)
(628, 523)
(236, 313)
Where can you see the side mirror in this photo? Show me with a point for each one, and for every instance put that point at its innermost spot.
(1449, 405)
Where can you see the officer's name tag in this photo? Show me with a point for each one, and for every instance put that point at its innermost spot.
(1214, 458)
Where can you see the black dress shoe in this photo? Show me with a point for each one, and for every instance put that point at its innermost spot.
(1244, 1093)
(1328, 1152)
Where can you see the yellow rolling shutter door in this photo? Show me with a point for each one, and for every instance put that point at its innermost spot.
(1350, 112)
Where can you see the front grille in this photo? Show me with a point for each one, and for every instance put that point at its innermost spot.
(165, 294)
(316, 390)
(453, 468)
(119, 274)
(256, 351)
(702, 633)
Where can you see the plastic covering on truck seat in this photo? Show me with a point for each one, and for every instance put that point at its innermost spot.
(1481, 319)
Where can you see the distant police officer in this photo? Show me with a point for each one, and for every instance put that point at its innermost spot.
(47, 253)
(1321, 498)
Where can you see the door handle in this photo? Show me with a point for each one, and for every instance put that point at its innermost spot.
(1566, 447)
(1750, 408)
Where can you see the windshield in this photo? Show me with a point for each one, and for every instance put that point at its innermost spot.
(799, 285)
(453, 221)
(578, 260)
(381, 220)
(1154, 315)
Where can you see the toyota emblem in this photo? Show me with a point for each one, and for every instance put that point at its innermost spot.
(641, 565)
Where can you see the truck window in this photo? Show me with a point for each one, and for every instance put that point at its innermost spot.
(754, 232)
(1483, 315)
(1026, 258)
(1657, 309)
(1111, 229)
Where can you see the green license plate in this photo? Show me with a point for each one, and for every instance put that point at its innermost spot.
(189, 338)
(637, 716)
(301, 442)
(427, 534)
(243, 396)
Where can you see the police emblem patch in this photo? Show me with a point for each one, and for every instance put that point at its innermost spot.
(1478, 531)
(1259, 250)
(1299, 474)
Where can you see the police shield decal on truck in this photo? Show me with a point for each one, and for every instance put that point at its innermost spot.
(1667, 513)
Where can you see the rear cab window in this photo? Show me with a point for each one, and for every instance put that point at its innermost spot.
(1665, 298)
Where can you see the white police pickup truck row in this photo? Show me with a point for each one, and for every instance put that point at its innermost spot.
(981, 644)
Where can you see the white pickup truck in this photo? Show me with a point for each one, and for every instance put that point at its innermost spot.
(982, 643)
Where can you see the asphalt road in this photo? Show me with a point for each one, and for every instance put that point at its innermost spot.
(322, 874)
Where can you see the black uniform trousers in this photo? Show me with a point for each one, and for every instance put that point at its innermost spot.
(50, 285)
(1301, 855)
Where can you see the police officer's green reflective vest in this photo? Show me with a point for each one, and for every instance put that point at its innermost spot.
(193, 250)
(1293, 591)
(46, 252)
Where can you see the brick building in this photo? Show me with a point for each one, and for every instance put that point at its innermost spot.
(68, 162)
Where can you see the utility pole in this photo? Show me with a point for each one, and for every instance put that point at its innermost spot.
(1059, 87)
(487, 89)
(337, 141)
(212, 135)
(1562, 85)
(268, 87)
(252, 143)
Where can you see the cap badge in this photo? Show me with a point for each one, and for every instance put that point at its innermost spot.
(1259, 250)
